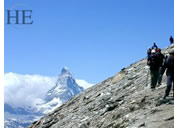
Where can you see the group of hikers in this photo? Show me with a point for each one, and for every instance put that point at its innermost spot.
(159, 63)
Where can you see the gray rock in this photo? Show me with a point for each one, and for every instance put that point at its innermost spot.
(124, 100)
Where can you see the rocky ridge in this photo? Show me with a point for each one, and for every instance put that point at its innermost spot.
(124, 100)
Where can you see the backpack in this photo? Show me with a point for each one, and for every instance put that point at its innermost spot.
(154, 62)
(149, 52)
(169, 64)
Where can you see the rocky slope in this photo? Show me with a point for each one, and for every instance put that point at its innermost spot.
(124, 100)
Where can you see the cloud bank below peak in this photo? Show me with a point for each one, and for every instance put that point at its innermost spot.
(29, 90)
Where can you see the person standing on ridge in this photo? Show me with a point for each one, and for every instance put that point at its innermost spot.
(171, 40)
(169, 65)
(161, 62)
(154, 63)
(154, 46)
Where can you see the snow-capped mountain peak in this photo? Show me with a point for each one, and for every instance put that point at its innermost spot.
(66, 71)
(65, 88)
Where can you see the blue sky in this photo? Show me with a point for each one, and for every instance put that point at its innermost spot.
(94, 38)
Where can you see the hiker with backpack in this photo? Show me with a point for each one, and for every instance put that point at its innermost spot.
(154, 62)
(161, 63)
(169, 65)
(171, 40)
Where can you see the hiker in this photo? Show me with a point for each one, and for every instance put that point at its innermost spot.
(154, 63)
(169, 65)
(161, 63)
(154, 46)
(171, 40)
(149, 52)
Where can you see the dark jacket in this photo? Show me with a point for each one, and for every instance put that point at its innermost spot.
(154, 62)
(169, 64)
(171, 39)
(161, 58)
(149, 52)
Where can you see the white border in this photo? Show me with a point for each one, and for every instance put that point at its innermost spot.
(1, 64)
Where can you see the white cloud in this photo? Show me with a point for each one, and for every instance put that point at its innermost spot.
(26, 90)
(30, 90)
(84, 84)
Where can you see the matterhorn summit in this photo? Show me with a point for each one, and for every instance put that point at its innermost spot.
(65, 87)
(65, 71)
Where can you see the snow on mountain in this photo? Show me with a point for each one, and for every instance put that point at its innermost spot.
(18, 117)
(15, 123)
(35, 97)
(65, 88)
(49, 106)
